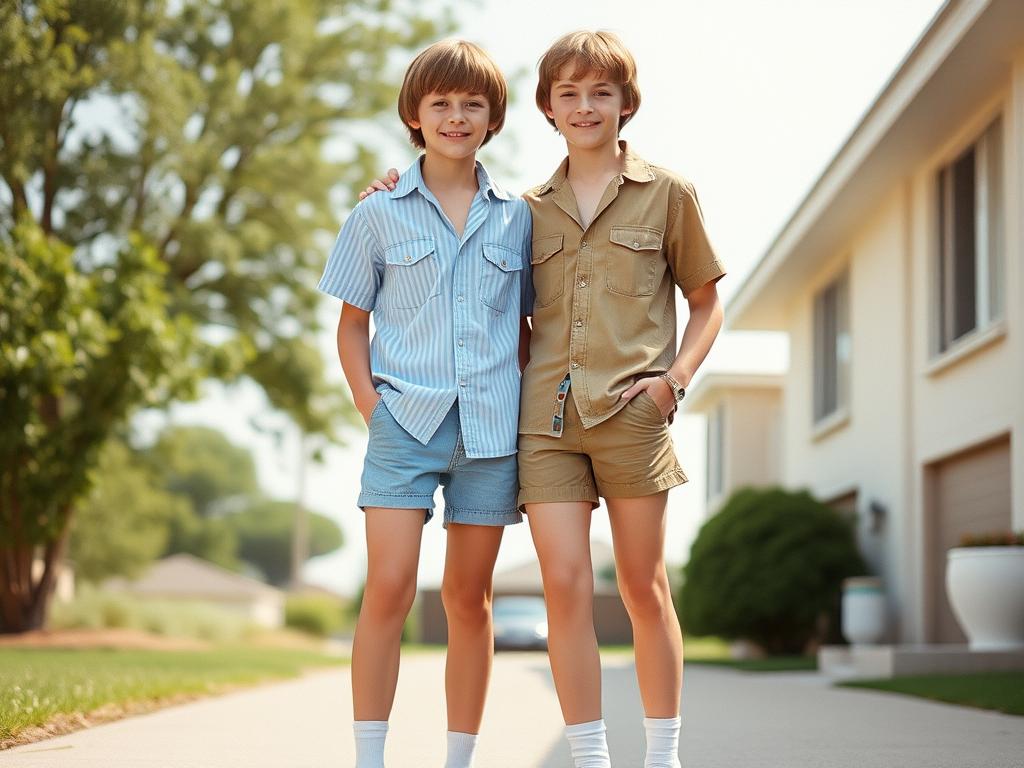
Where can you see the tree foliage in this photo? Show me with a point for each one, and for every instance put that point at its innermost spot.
(264, 537)
(163, 189)
(766, 568)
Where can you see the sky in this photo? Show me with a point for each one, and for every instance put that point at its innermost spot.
(749, 100)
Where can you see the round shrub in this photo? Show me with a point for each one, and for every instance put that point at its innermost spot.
(766, 568)
(318, 615)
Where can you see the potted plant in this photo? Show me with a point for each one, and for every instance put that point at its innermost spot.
(985, 584)
(863, 610)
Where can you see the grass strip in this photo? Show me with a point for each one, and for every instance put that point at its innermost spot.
(1001, 691)
(38, 685)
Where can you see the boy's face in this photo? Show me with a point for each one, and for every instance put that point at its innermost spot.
(454, 125)
(586, 111)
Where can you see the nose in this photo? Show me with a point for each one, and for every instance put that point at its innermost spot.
(584, 105)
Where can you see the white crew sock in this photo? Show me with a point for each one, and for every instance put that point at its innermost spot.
(589, 745)
(460, 749)
(662, 742)
(370, 735)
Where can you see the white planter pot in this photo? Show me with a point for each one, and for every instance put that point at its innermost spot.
(985, 586)
(863, 610)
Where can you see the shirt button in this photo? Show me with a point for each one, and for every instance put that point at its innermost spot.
(579, 323)
(408, 258)
(583, 283)
(575, 365)
(462, 383)
(583, 244)
(504, 263)
(636, 244)
(461, 297)
(461, 342)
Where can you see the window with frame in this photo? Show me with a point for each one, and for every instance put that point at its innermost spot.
(716, 452)
(831, 349)
(971, 223)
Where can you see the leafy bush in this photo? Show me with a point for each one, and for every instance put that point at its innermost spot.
(96, 609)
(318, 615)
(766, 568)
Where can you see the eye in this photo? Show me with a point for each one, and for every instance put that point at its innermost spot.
(568, 95)
(474, 104)
(604, 93)
(440, 103)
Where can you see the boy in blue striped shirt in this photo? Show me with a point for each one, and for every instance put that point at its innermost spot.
(443, 264)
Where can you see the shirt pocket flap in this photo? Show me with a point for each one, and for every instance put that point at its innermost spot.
(503, 257)
(545, 247)
(637, 238)
(410, 252)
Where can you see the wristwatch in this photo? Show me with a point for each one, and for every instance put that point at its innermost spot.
(678, 392)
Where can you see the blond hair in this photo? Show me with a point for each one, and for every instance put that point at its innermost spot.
(452, 66)
(597, 52)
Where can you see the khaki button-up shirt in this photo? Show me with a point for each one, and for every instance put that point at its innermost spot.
(605, 308)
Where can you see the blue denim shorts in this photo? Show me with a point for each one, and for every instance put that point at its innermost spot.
(401, 473)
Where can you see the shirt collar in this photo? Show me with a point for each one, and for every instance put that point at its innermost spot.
(412, 179)
(634, 168)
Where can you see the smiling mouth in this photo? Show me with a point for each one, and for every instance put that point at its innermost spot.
(586, 124)
(455, 134)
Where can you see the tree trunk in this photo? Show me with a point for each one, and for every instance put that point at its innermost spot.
(25, 596)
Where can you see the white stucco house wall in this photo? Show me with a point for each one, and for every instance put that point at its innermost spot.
(899, 283)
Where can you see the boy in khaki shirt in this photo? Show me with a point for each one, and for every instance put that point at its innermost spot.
(612, 238)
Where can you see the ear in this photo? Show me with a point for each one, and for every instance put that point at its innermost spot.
(549, 112)
(626, 111)
(414, 124)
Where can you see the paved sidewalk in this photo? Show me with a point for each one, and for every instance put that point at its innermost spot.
(730, 720)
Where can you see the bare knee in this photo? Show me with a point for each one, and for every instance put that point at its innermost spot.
(646, 594)
(466, 604)
(568, 587)
(389, 595)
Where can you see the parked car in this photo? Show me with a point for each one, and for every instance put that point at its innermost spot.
(520, 622)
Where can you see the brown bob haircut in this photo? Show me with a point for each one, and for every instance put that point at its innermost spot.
(452, 66)
(589, 52)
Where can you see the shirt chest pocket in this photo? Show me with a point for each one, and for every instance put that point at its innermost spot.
(500, 272)
(633, 256)
(411, 274)
(548, 262)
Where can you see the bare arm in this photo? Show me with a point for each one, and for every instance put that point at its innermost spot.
(354, 353)
(701, 330)
(525, 332)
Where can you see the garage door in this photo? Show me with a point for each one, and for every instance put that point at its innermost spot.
(972, 495)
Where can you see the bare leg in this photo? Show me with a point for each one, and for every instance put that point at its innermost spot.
(638, 530)
(393, 552)
(466, 594)
(561, 534)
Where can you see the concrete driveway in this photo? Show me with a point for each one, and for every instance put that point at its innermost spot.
(730, 720)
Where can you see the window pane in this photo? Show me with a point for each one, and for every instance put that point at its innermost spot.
(995, 218)
(964, 269)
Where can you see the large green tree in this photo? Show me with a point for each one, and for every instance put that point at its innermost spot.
(203, 465)
(265, 537)
(176, 151)
(123, 523)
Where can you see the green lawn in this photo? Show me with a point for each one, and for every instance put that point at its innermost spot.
(38, 684)
(1001, 691)
(770, 664)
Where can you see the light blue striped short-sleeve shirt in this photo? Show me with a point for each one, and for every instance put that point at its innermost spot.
(446, 310)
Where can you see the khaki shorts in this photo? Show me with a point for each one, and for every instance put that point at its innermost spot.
(625, 456)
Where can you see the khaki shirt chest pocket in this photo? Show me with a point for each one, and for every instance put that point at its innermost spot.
(411, 274)
(548, 262)
(633, 256)
(500, 273)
